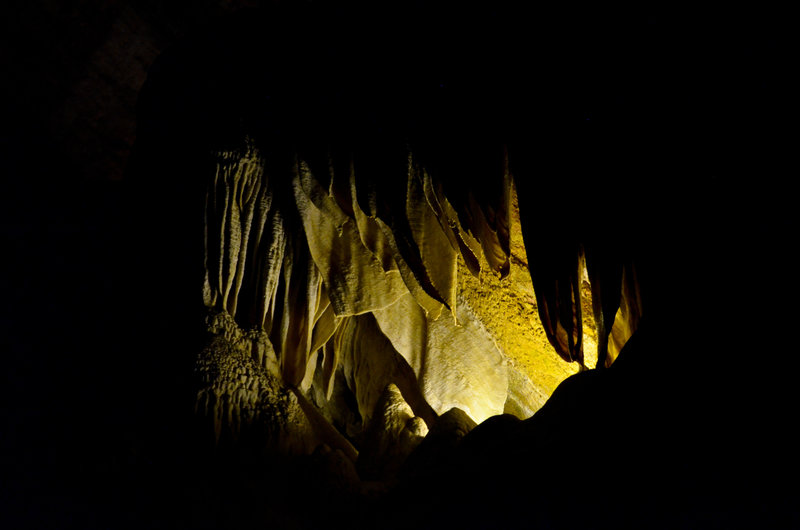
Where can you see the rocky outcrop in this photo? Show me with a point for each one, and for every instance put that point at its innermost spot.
(439, 446)
(392, 434)
(241, 395)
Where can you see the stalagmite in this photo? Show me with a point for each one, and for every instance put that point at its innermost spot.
(241, 394)
(391, 435)
(370, 362)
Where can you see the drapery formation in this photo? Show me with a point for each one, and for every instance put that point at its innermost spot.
(567, 228)
(303, 245)
(294, 248)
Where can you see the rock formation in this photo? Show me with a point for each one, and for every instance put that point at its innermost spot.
(392, 434)
(361, 260)
(326, 281)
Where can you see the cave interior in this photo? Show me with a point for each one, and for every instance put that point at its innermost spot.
(292, 265)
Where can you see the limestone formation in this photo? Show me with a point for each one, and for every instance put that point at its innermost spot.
(439, 446)
(319, 267)
(392, 434)
(457, 364)
(241, 395)
(370, 363)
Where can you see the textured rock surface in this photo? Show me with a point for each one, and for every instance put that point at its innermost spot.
(241, 394)
(370, 363)
(507, 308)
(456, 363)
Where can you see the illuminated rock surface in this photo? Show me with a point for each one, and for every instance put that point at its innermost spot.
(483, 351)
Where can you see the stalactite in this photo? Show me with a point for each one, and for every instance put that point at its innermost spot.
(437, 254)
(330, 363)
(557, 286)
(629, 313)
(483, 223)
(386, 196)
(477, 183)
(331, 263)
(231, 204)
(355, 278)
(605, 274)
(460, 239)
(369, 230)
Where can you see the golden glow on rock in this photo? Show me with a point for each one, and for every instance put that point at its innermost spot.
(350, 304)
(507, 308)
(589, 329)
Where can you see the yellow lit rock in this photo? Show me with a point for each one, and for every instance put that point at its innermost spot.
(445, 313)
(507, 308)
